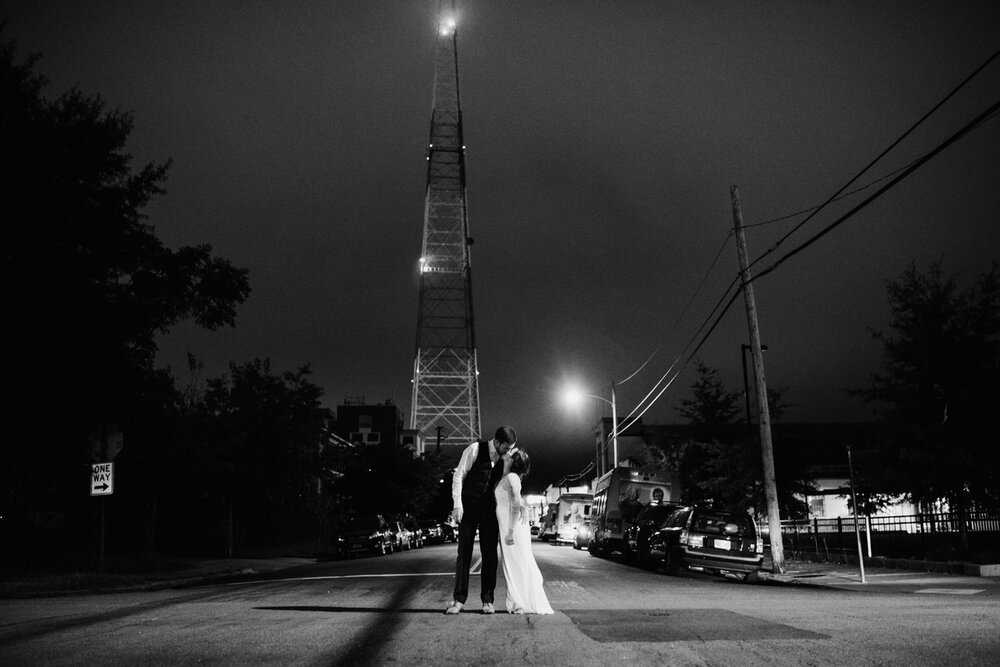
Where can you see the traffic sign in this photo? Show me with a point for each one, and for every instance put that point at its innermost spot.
(105, 442)
(102, 479)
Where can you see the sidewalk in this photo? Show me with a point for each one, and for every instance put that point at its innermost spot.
(882, 574)
(175, 572)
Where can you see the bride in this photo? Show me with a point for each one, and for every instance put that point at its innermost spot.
(524, 580)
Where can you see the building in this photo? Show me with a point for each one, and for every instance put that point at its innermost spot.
(822, 447)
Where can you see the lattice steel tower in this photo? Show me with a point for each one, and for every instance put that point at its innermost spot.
(445, 405)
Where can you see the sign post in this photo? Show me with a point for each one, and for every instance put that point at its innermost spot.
(102, 483)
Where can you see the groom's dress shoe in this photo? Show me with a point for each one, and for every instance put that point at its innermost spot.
(488, 608)
(454, 608)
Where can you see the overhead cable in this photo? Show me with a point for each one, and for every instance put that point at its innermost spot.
(983, 117)
(991, 112)
(880, 156)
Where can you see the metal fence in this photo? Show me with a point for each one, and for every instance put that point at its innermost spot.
(930, 535)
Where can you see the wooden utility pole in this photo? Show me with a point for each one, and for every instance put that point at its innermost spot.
(763, 412)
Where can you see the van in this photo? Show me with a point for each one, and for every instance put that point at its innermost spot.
(619, 496)
(572, 510)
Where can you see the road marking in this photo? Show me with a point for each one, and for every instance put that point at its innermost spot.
(566, 592)
(476, 570)
(334, 576)
(952, 591)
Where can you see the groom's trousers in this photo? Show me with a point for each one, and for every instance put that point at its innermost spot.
(481, 516)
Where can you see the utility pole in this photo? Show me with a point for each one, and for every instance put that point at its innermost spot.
(614, 425)
(763, 412)
(854, 500)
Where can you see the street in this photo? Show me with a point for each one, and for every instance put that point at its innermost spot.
(382, 610)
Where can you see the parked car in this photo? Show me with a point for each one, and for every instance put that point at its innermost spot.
(401, 536)
(431, 530)
(365, 535)
(650, 519)
(535, 528)
(708, 540)
(448, 532)
(581, 540)
(416, 533)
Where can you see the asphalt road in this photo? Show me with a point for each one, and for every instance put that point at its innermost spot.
(385, 610)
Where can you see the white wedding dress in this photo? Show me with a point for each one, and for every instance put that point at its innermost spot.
(524, 580)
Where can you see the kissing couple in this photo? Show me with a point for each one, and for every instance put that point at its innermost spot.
(486, 492)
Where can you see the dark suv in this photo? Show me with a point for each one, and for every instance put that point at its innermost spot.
(636, 539)
(365, 535)
(707, 540)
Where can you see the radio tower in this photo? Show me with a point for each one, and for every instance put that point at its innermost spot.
(445, 405)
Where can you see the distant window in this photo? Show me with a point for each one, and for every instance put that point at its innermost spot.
(365, 422)
(357, 436)
(373, 438)
(409, 440)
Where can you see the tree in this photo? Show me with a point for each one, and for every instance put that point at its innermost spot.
(710, 411)
(261, 435)
(711, 408)
(387, 479)
(87, 285)
(939, 387)
(721, 464)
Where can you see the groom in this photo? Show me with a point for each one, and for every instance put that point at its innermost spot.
(477, 474)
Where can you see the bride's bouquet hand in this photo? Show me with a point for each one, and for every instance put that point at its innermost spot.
(510, 537)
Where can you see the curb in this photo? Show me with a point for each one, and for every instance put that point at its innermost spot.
(949, 567)
(152, 585)
(771, 579)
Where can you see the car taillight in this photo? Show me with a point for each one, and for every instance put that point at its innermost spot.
(684, 537)
(760, 545)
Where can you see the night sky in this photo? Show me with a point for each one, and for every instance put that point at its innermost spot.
(602, 140)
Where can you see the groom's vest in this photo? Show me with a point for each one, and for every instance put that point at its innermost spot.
(482, 478)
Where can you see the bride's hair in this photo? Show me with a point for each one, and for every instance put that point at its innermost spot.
(520, 463)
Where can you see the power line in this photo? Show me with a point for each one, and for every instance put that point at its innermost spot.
(982, 118)
(990, 113)
(816, 208)
(567, 480)
(684, 365)
(680, 317)
(881, 155)
(704, 278)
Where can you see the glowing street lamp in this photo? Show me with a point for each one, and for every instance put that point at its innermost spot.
(447, 27)
(574, 396)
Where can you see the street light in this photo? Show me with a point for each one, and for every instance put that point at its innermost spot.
(574, 396)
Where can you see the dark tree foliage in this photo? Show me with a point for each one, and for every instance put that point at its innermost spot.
(386, 479)
(87, 285)
(721, 464)
(259, 438)
(710, 412)
(711, 408)
(939, 388)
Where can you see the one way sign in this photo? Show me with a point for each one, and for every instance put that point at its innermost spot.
(102, 482)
